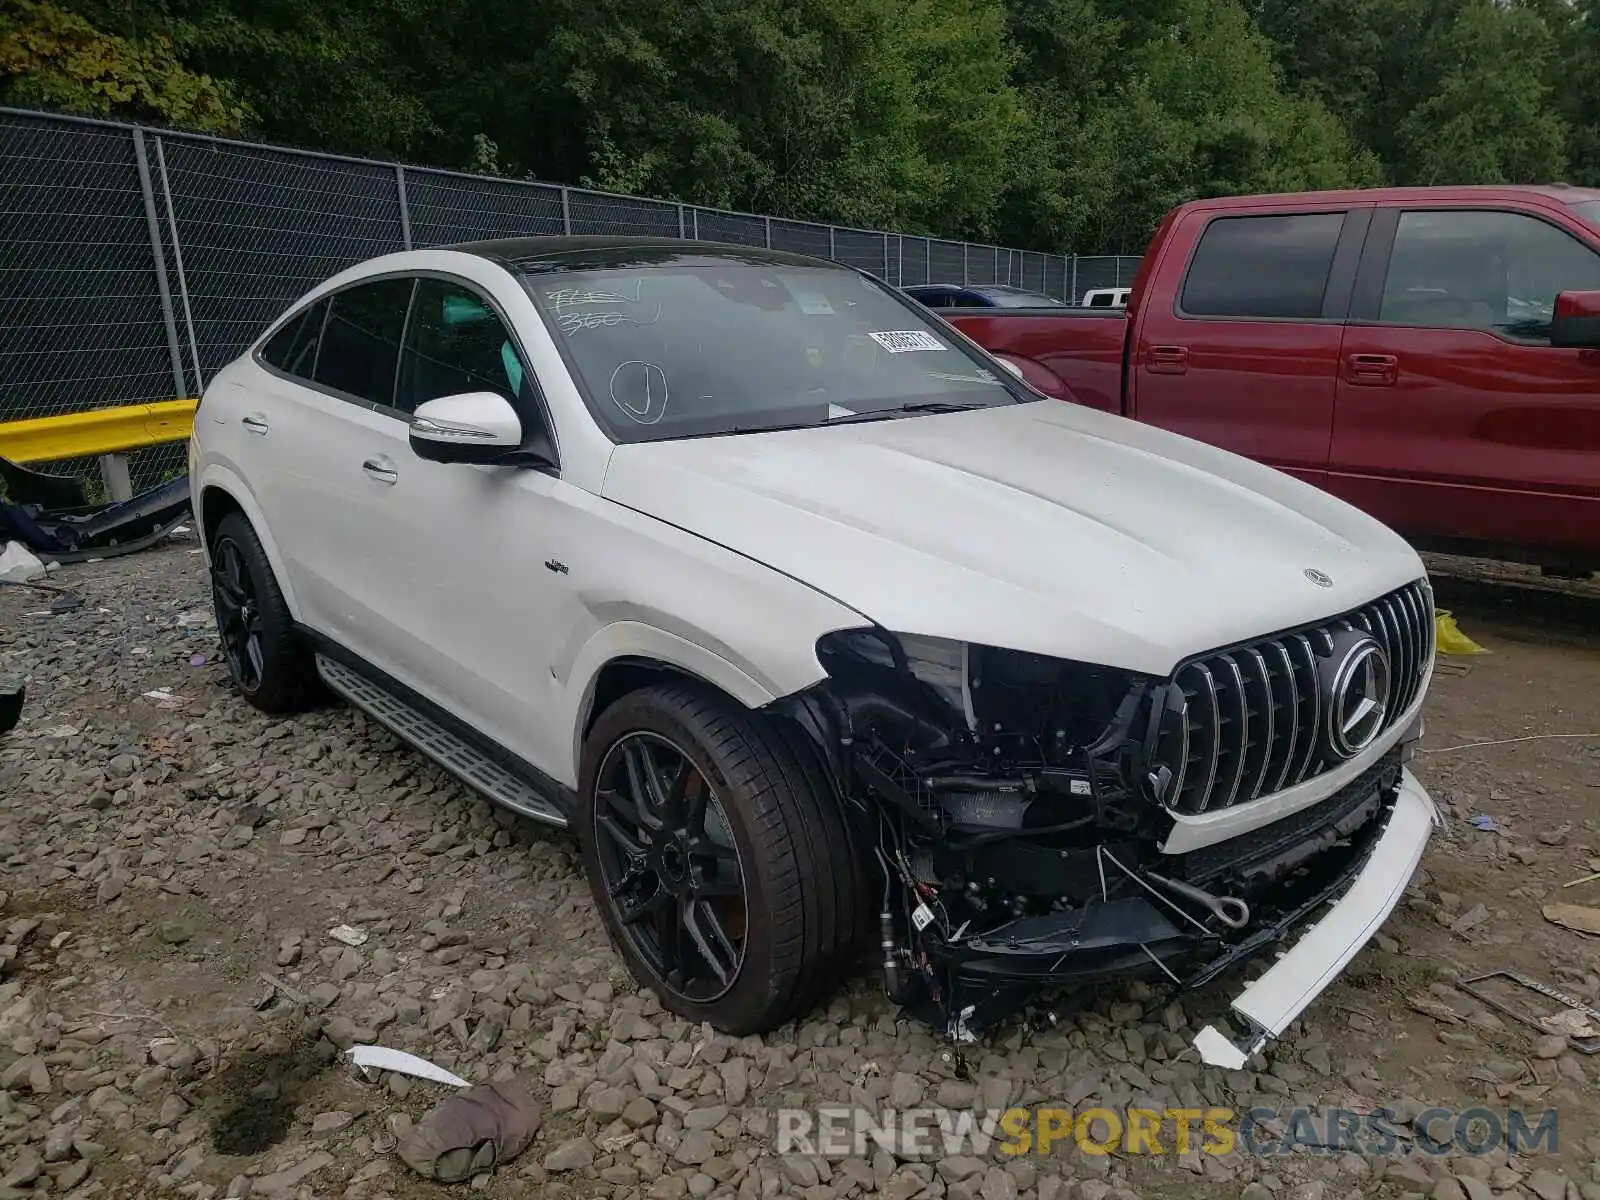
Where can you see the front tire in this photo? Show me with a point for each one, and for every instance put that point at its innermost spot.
(269, 663)
(718, 857)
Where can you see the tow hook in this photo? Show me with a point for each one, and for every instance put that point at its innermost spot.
(1229, 910)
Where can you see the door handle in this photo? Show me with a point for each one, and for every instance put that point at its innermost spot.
(1372, 370)
(255, 423)
(1167, 360)
(381, 469)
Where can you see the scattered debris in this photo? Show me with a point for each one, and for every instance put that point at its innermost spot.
(1448, 636)
(10, 706)
(1572, 1022)
(196, 619)
(471, 1132)
(1437, 1009)
(164, 698)
(382, 1058)
(1532, 737)
(51, 515)
(1476, 915)
(349, 935)
(197, 660)
(18, 564)
(1484, 823)
(1584, 1043)
(1589, 878)
(1574, 916)
(283, 989)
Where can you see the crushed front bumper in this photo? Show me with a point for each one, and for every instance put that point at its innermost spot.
(1269, 1004)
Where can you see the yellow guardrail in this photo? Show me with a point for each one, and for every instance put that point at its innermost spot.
(101, 431)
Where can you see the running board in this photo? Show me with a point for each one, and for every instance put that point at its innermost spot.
(462, 760)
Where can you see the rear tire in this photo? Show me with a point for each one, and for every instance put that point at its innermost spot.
(268, 661)
(738, 803)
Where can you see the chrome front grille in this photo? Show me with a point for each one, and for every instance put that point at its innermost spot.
(1245, 722)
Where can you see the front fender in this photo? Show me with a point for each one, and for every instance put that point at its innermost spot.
(635, 640)
(216, 475)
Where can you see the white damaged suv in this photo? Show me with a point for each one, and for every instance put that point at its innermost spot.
(823, 630)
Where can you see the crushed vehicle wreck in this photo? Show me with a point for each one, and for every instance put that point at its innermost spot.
(823, 630)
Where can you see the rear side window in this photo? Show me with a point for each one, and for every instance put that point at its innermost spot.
(293, 349)
(1269, 266)
(361, 340)
(456, 343)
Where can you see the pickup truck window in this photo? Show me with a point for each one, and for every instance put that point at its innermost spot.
(1267, 266)
(1589, 210)
(1473, 269)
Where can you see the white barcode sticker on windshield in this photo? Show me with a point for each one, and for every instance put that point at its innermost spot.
(903, 341)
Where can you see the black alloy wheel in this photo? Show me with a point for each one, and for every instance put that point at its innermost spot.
(718, 856)
(267, 659)
(239, 623)
(669, 866)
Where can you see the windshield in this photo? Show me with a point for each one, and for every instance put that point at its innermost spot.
(1589, 210)
(708, 345)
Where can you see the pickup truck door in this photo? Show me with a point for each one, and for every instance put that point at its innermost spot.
(1239, 346)
(1456, 419)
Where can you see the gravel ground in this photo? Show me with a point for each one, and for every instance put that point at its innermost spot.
(164, 854)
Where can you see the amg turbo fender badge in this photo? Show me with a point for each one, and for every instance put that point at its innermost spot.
(1355, 688)
(1321, 578)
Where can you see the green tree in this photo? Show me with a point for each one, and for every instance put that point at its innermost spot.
(328, 74)
(1195, 108)
(1488, 117)
(862, 111)
(55, 59)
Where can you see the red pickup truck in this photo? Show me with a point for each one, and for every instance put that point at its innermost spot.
(1430, 354)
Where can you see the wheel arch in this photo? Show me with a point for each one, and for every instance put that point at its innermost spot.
(626, 655)
(222, 492)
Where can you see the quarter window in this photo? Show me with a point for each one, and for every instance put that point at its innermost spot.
(1265, 267)
(361, 341)
(1495, 271)
(456, 343)
(293, 349)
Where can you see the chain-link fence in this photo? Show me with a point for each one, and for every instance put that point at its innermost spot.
(136, 262)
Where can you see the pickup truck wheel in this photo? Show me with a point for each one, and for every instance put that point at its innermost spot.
(267, 661)
(718, 859)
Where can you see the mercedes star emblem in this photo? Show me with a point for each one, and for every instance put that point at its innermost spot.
(1356, 682)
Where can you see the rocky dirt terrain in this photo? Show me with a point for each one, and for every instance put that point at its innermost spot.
(173, 1003)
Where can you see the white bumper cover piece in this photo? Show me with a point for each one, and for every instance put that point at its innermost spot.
(1280, 995)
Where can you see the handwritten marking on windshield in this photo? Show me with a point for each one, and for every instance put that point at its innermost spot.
(575, 308)
(565, 298)
(639, 389)
(573, 322)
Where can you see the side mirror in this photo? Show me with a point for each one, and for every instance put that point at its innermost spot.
(473, 427)
(1576, 321)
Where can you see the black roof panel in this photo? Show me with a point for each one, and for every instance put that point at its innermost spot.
(599, 252)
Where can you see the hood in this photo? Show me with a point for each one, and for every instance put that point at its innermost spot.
(1044, 527)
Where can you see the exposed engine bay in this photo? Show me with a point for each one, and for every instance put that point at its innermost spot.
(1014, 807)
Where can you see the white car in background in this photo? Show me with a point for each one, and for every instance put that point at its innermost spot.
(1112, 297)
(823, 630)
